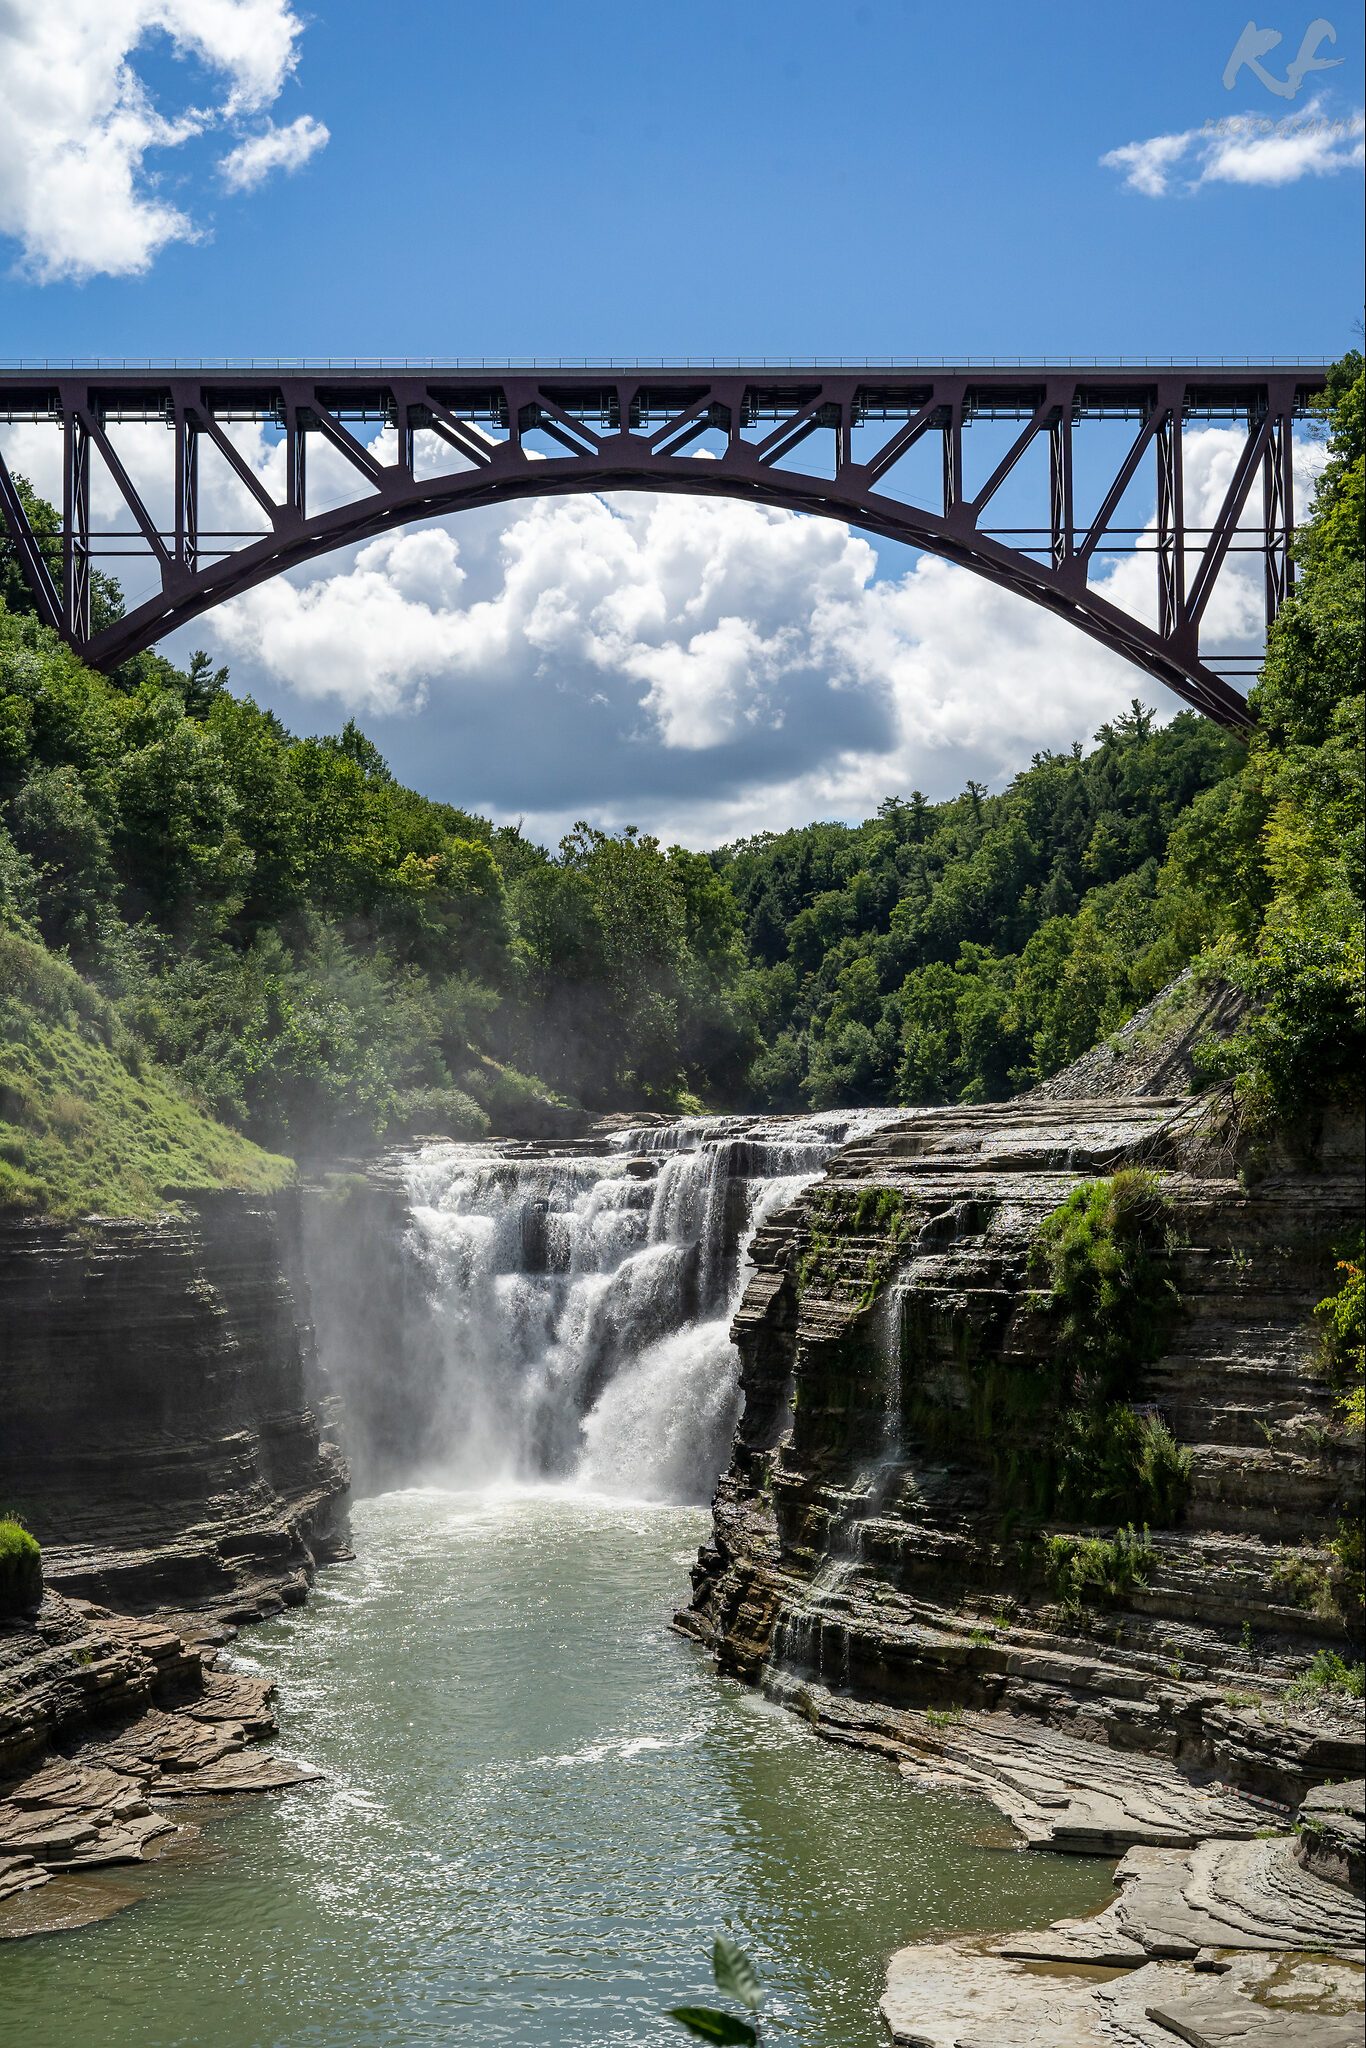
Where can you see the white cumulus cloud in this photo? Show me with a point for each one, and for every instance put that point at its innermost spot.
(77, 190)
(1242, 149)
(274, 149)
(703, 667)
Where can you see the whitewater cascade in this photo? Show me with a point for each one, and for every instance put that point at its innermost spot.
(578, 1301)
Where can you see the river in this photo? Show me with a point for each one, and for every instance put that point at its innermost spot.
(540, 1807)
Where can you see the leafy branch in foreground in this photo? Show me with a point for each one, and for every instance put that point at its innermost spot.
(736, 1975)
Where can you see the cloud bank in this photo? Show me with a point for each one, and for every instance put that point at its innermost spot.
(80, 124)
(1242, 149)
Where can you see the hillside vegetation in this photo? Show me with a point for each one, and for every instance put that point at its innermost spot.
(88, 1121)
(299, 947)
(961, 951)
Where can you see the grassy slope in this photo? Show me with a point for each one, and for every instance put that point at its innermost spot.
(88, 1123)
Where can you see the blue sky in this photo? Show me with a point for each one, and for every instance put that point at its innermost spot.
(747, 179)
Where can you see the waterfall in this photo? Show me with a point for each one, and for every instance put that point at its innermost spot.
(577, 1302)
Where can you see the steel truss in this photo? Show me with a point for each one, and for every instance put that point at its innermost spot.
(742, 434)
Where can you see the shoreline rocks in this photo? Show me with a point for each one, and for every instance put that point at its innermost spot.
(108, 1718)
(1229, 1940)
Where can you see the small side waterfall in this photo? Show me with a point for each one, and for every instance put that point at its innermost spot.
(577, 1303)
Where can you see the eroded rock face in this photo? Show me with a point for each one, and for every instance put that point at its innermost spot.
(1332, 1834)
(860, 1565)
(157, 1431)
(103, 1719)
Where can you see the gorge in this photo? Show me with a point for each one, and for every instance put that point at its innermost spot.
(524, 1347)
(682, 1026)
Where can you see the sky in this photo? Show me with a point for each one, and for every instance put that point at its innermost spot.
(196, 178)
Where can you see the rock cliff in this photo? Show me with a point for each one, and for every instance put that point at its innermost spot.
(875, 1564)
(869, 1561)
(157, 1424)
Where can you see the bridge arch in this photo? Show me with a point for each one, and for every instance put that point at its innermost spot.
(611, 429)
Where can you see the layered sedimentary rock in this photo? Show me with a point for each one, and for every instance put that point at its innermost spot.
(139, 1717)
(862, 1566)
(1332, 1833)
(1232, 1941)
(157, 1426)
(961, 1994)
(874, 1566)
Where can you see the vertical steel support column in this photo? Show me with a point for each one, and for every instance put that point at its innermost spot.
(514, 402)
(1060, 487)
(403, 421)
(75, 522)
(1278, 506)
(1171, 514)
(296, 462)
(953, 456)
(186, 548)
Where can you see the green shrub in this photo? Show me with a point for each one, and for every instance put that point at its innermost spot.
(1342, 1319)
(1300, 1582)
(447, 1112)
(1347, 1573)
(21, 1570)
(1328, 1673)
(1100, 1254)
(1103, 1569)
(1113, 1465)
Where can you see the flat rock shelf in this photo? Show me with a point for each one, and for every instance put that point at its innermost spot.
(110, 1793)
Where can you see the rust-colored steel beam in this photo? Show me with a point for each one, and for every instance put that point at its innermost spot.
(812, 440)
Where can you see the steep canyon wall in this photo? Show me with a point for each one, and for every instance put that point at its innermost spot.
(158, 1431)
(871, 1557)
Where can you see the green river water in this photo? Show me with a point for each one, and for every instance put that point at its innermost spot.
(540, 1806)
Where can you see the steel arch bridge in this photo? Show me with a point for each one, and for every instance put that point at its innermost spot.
(816, 439)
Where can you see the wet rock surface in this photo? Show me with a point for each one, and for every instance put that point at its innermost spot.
(131, 1716)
